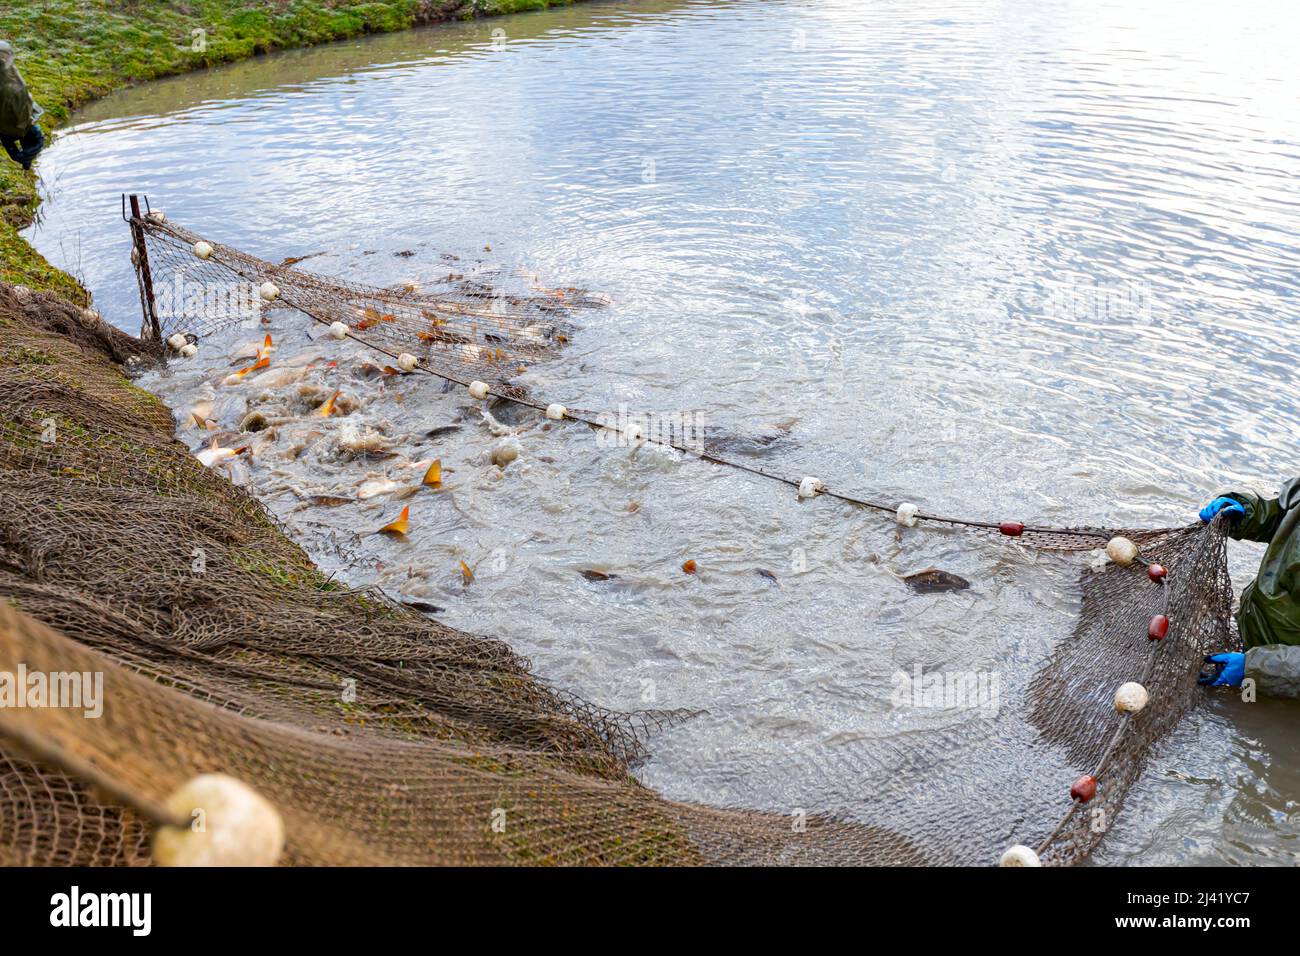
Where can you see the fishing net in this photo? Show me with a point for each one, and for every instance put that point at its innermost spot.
(476, 322)
(382, 736)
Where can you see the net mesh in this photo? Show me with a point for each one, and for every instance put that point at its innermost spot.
(477, 323)
(383, 736)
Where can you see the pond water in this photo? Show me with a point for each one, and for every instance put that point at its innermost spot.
(1023, 260)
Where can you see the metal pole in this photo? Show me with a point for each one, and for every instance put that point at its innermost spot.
(151, 328)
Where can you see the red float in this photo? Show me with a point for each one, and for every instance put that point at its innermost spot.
(1012, 529)
(1158, 628)
(1085, 788)
(1156, 572)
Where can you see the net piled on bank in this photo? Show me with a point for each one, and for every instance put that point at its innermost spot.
(445, 748)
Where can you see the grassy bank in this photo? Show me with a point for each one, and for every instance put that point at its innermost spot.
(72, 51)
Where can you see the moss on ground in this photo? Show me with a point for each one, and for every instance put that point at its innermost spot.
(72, 51)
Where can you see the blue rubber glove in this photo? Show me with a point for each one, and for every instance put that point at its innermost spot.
(1223, 670)
(1233, 508)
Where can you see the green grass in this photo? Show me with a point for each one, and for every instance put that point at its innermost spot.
(72, 51)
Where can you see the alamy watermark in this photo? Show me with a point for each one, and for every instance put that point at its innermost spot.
(1084, 301)
(234, 302)
(62, 690)
(133, 911)
(625, 429)
(947, 690)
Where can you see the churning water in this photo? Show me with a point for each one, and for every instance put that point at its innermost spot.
(1017, 260)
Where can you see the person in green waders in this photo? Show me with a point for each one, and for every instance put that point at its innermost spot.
(20, 133)
(1269, 616)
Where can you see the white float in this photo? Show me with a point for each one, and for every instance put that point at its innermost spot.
(203, 249)
(1131, 697)
(339, 330)
(1121, 550)
(230, 824)
(556, 412)
(189, 350)
(269, 291)
(1019, 855)
(478, 389)
(407, 362)
(810, 487)
(906, 514)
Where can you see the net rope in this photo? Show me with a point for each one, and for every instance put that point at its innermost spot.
(239, 671)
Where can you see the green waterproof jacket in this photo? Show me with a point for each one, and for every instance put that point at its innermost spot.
(1270, 605)
(17, 109)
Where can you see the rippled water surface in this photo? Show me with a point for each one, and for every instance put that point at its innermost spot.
(1031, 260)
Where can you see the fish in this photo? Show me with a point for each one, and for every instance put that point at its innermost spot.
(326, 410)
(236, 377)
(424, 607)
(399, 527)
(362, 441)
(593, 575)
(375, 488)
(224, 439)
(294, 260)
(756, 441)
(765, 573)
(310, 358)
(433, 476)
(201, 411)
(466, 574)
(372, 317)
(211, 457)
(932, 580)
(278, 378)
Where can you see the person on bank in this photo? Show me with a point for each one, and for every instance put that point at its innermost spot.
(1269, 617)
(20, 133)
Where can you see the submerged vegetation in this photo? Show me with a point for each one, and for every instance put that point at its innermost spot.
(72, 51)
